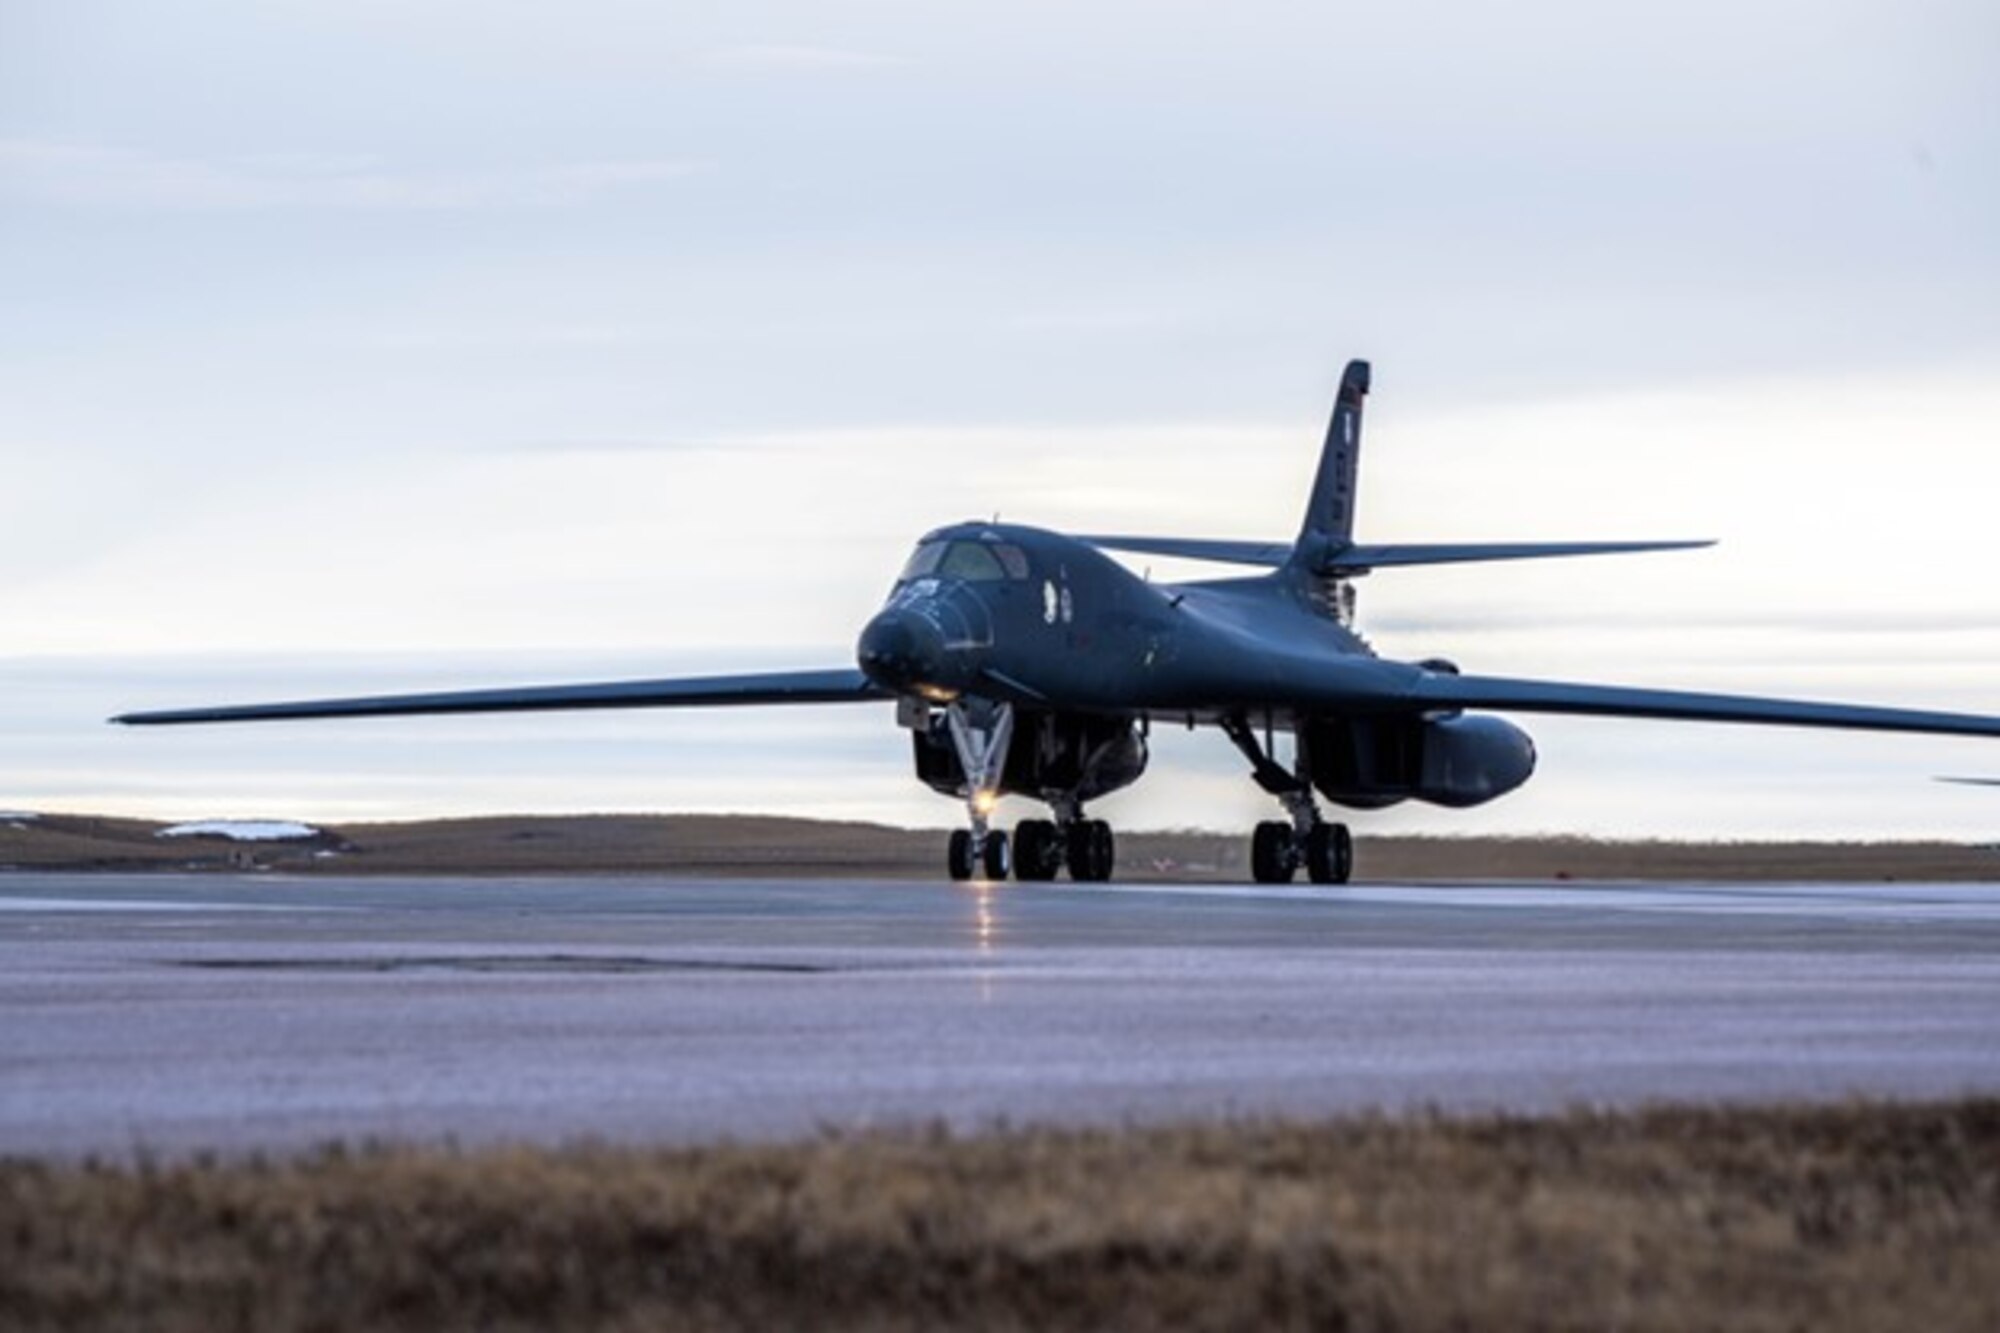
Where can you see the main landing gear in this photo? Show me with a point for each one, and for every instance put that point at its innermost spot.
(1279, 847)
(980, 732)
(1044, 846)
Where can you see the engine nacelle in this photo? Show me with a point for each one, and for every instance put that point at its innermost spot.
(1450, 759)
(1471, 760)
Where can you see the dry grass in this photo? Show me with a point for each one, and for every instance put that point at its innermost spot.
(762, 845)
(1836, 1218)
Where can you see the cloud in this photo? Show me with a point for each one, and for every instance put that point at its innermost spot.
(107, 176)
(787, 57)
(632, 445)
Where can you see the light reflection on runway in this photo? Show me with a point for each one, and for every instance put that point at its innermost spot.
(984, 917)
(193, 1012)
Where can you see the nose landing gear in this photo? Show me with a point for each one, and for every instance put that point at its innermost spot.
(985, 854)
(980, 731)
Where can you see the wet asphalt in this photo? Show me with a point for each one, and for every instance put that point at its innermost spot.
(172, 1014)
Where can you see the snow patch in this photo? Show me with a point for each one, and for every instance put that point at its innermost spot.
(241, 830)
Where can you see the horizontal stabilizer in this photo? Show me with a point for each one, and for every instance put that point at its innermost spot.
(1268, 554)
(1357, 559)
(1360, 559)
(1441, 690)
(841, 685)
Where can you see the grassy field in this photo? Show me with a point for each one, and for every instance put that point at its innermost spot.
(1833, 1218)
(762, 845)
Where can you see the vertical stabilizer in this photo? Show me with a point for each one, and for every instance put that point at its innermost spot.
(1329, 521)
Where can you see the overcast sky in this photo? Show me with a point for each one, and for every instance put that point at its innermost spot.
(354, 346)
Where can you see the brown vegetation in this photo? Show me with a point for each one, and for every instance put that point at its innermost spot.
(1851, 1217)
(765, 845)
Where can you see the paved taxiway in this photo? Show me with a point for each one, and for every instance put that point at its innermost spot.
(178, 1013)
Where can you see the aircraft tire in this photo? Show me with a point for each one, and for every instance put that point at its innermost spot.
(1329, 854)
(1038, 850)
(958, 854)
(1273, 860)
(1092, 851)
(996, 858)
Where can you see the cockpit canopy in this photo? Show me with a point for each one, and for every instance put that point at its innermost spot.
(975, 561)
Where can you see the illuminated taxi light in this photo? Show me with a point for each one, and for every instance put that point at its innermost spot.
(985, 801)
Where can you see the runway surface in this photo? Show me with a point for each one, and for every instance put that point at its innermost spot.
(203, 1013)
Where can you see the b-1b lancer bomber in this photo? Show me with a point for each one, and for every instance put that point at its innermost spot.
(1027, 662)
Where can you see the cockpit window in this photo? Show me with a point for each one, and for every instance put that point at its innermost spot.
(1012, 559)
(971, 561)
(923, 561)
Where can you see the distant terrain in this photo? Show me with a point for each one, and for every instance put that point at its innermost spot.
(701, 845)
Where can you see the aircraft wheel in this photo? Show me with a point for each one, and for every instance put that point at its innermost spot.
(1104, 848)
(1038, 849)
(958, 854)
(1092, 851)
(996, 858)
(1329, 854)
(1273, 860)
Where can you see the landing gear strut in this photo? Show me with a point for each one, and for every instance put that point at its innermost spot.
(1279, 847)
(980, 731)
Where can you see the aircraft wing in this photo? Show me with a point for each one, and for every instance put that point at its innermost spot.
(840, 685)
(1268, 554)
(1547, 696)
(1360, 559)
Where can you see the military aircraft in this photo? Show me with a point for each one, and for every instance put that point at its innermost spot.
(1027, 662)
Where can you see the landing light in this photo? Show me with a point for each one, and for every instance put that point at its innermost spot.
(984, 801)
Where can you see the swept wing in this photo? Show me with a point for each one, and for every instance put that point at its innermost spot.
(840, 685)
(1440, 690)
(1359, 559)
(1268, 554)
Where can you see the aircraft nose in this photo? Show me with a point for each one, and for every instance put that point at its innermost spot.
(897, 649)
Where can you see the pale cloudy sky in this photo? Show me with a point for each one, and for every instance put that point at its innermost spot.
(355, 346)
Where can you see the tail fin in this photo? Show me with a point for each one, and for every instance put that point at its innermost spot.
(1326, 548)
(1329, 521)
